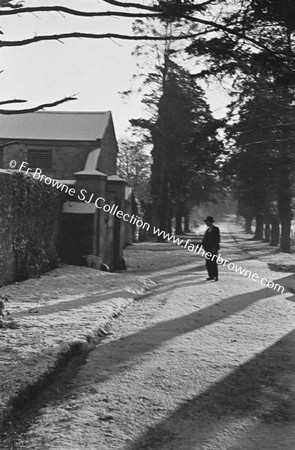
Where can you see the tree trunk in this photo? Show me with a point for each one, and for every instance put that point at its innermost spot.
(284, 204)
(169, 224)
(178, 228)
(163, 213)
(258, 236)
(248, 223)
(275, 231)
(151, 218)
(186, 223)
(267, 231)
(285, 244)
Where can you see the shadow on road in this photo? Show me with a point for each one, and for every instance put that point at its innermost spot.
(258, 388)
(148, 339)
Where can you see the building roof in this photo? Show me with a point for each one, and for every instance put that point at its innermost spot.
(59, 126)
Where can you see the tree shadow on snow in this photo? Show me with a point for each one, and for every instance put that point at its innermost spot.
(76, 304)
(237, 395)
(147, 340)
(257, 389)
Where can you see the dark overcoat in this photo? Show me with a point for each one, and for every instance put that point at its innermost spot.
(211, 240)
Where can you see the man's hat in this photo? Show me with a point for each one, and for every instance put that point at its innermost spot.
(209, 219)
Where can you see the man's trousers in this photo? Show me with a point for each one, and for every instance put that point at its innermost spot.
(211, 266)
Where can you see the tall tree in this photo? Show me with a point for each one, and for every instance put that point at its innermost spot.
(192, 146)
(182, 130)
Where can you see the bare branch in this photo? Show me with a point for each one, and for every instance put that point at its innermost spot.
(131, 5)
(226, 29)
(188, 8)
(274, 126)
(36, 108)
(73, 12)
(231, 31)
(269, 141)
(16, 100)
(54, 37)
(157, 13)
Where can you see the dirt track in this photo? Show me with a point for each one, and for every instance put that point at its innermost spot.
(193, 365)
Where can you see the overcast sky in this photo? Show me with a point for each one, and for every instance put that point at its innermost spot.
(94, 70)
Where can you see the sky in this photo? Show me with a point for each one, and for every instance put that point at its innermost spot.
(96, 71)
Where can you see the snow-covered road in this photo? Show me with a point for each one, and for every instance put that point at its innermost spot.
(192, 365)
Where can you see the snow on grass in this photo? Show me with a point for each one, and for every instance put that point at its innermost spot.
(62, 312)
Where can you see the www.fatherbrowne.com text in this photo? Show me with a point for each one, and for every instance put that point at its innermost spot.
(198, 249)
(100, 203)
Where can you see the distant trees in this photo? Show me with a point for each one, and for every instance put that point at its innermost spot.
(134, 166)
(263, 167)
(258, 57)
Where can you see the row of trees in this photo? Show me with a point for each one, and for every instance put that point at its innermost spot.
(261, 167)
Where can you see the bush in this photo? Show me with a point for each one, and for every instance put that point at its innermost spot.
(36, 212)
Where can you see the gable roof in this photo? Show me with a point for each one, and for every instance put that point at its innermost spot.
(59, 126)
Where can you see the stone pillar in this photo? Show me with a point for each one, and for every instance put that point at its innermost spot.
(116, 195)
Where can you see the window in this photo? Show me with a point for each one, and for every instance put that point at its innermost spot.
(41, 158)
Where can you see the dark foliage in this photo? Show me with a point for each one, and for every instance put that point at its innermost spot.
(36, 211)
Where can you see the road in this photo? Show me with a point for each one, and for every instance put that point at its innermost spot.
(192, 365)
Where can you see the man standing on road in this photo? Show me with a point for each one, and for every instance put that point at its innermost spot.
(210, 244)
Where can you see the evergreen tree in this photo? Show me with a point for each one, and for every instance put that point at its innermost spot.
(185, 148)
(183, 131)
(264, 165)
